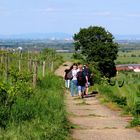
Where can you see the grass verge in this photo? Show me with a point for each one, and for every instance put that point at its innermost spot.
(42, 116)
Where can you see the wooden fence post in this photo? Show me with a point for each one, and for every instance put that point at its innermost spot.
(44, 68)
(30, 65)
(1, 58)
(20, 55)
(29, 62)
(34, 73)
(52, 66)
(6, 67)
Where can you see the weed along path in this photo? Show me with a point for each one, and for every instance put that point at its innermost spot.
(93, 121)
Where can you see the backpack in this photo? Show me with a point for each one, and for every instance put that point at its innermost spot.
(81, 78)
(87, 72)
(69, 75)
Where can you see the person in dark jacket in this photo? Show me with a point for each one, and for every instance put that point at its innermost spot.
(87, 72)
(82, 80)
(66, 78)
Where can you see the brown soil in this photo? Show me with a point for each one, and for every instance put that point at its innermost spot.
(94, 121)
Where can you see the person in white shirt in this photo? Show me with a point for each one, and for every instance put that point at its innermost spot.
(74, 81)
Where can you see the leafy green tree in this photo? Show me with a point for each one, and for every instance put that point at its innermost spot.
(97, 45)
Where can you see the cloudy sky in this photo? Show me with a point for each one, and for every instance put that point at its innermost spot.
(43, 16)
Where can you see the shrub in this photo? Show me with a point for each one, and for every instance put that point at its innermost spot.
(135, 122)
(4, 105)
(37, 115)
(119, 100)
(136, 109)
(133, 55)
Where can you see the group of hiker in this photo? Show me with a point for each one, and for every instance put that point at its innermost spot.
(78, 78)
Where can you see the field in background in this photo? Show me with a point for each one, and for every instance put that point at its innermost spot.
(66, 56)
(128, 57)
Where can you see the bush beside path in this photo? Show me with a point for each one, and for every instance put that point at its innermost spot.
(93, 121)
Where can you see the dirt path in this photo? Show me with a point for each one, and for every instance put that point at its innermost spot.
(94, 121)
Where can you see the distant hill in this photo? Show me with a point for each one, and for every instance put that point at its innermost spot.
(53, 36)
(60, 36)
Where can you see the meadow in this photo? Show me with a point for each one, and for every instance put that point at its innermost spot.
(28, 112)
(128, 57)
(66, 56)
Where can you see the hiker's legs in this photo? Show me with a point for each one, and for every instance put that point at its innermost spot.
(68, 83)
(82, 90)
(76, 88)
(86, 90)
(65, 83)
(79, 90)
(73, 85)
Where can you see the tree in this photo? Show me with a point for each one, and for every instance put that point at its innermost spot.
(96, 44)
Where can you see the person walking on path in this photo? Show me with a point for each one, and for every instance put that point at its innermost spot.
(87, 73)
(82, 80)
(67, 78)
(73, 86)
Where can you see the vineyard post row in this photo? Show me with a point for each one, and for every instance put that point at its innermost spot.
(32, 65)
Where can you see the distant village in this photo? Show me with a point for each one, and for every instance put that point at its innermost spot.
(128, 67)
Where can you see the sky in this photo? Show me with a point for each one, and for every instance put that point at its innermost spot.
(68, 16)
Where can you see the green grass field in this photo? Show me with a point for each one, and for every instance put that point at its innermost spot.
(41, 116)
(33, 113)
(66, 56)
(123, 57)
(128, 57)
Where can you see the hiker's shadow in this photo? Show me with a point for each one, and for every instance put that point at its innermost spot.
(92, 94)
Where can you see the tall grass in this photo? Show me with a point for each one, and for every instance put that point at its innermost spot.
(41, 116)
(126, 96)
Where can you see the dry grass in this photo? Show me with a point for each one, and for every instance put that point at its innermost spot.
(106, 102)
(113, 106)
(138, 128)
